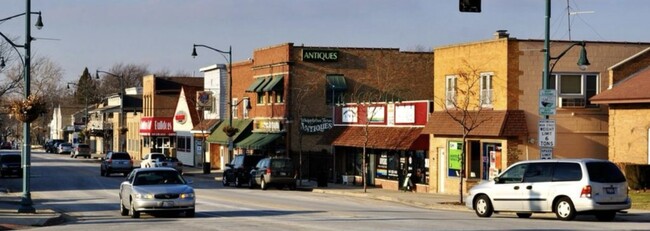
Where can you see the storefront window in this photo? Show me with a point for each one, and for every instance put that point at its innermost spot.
(420, 164)
(455, 152)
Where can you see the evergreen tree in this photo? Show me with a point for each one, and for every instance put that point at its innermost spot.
(85, 89)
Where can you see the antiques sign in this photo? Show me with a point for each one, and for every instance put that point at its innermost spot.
(315, 124)
(320, 55)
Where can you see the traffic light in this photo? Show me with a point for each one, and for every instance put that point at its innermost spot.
(472, 6)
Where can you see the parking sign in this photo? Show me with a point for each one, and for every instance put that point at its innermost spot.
(546, 133)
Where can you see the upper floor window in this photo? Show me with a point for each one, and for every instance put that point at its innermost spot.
(486, 89)
(246, 107)
(336, 87)
(574, 90)
(450, 91)
(233, 107)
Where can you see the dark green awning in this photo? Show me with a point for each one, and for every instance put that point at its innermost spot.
(258, 140)
(265, 81)
(336, 82)
(276, 84)
(255, 84)
(220, 137)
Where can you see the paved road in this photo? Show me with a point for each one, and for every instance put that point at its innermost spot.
(74, 187)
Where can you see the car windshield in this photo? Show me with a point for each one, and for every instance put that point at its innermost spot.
(158, 177)
(158, 156)
(604, 172)
(120, 156)
(10, 158)
(281, 163)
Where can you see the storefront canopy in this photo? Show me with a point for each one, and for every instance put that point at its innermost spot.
(394, 138)
(258, 140)
(336, 82)
(489, 123)
(220, 137)
(255, 85)
(275, 84)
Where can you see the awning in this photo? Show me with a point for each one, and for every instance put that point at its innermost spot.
(265, 81)
(258, 140)
(488, 123)
(273, 85)
(393, 138)
(205, 126)
(255, 84)
(336, 82)
(220, 137)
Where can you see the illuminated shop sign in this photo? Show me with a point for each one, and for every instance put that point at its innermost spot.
(320, 55)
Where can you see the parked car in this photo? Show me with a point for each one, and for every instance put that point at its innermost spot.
(80, 150)
(175, 163)
(6, 145)
(565, 187)
(64, 148)
(116, 162)
(239, 169)
(156, 189)
(155, 159)
(51, 146)
(273, 171)
(10, 165)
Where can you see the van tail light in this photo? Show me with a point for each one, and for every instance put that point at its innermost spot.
(586, 191)
(110, 161)
(268, 171)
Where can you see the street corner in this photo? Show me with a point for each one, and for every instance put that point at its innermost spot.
(12, 220)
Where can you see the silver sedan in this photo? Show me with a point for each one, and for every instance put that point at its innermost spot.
(156, 189)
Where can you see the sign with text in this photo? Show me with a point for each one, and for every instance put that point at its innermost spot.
(320, 55)
(546, 153)
(157, 126)
(547, 101)
(546, 133)
(315, 124)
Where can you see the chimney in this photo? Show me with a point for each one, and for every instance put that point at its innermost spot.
(501, 34)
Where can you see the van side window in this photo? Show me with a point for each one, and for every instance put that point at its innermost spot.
(567, 172)
(514, 174)
(539, 172)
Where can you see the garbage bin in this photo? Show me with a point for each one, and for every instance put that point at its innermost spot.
(206, 168)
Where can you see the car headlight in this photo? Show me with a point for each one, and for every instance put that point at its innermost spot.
(144, 195)
(186, 195)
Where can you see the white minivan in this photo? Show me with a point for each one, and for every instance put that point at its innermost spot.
(565, 187)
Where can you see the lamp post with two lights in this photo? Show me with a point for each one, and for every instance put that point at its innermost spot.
(26, 204)
(121, 119)
(229, 59)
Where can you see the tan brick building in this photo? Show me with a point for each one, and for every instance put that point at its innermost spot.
(506, 73)
(628, 99)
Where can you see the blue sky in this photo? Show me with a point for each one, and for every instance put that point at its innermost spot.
(160, 33)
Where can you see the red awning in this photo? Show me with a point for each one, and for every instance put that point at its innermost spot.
(395, 138)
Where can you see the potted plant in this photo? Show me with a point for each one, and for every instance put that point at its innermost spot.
(123, 130)
(28, 110)
(230, 131)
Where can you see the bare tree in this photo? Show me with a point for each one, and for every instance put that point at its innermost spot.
(463, 103)
(299, 98)
(132, 77)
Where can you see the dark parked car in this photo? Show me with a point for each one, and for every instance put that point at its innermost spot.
(64, 148)
(52, 145)
(278, 171)
(10, 165)
(238, 171)
(116, 162)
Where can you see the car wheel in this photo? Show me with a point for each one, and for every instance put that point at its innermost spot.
(263, 184)
(237, 182)
(483, 206)
(524, 215)
(190, 213)
(123, 210)
(108, 172)
(224, 181)
(564, 209)
(605, 215)
(132, 212)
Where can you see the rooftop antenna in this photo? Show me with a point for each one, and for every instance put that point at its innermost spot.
(569, 13)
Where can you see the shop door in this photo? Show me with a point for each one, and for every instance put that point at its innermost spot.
(490, 159)
(162, 144)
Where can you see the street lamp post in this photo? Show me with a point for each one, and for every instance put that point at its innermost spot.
(121, 120)
(583, 62)
(229, 59)
(26, 204)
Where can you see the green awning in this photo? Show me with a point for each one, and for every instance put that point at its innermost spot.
(265, 81)
(220, 137)
(258, 140)
(336, 82)
(276, 84)
(255, 84)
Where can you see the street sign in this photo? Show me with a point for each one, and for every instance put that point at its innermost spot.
(547, 101)
(546, 133)
(546, 153)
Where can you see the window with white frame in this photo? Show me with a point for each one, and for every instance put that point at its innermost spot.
(450, 91)
(183, 143)
(574, 89)
(246, 102)
(233, 107)
(486, 89)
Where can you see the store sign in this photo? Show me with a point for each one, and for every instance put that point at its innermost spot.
(320, 55)
(157, 126)
(315, 124)
(405, 114)
(180, 117)
(267, 125)
(349, 114)
(204, 99)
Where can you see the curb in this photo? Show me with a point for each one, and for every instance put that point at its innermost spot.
(436, 205)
